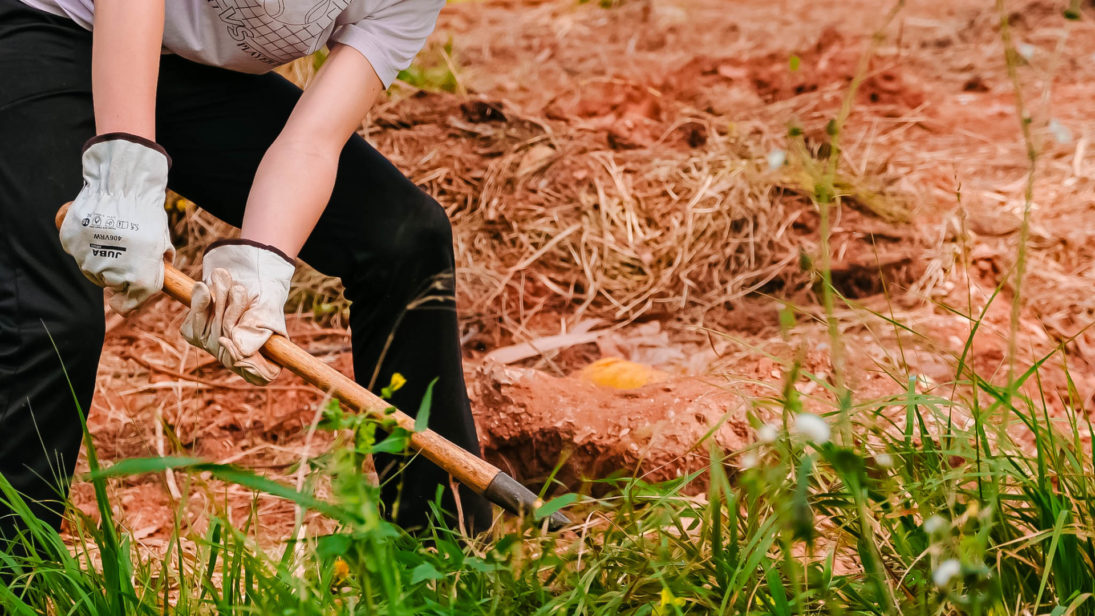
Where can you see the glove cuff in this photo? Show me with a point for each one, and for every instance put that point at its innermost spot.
(148, 143)
(243, 242)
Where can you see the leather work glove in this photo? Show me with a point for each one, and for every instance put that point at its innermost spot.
(116, 228)
(239, 304)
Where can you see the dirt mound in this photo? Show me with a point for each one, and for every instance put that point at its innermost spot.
(531, 421)
(618, 204)
(629, 114)
(829, 64)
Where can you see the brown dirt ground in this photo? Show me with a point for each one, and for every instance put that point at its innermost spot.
(608, 131)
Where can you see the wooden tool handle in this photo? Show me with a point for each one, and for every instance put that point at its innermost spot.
(469, 469)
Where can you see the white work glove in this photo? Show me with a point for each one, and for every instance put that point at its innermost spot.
(239, 304)
(116, 229)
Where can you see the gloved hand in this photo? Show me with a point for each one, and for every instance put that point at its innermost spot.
(116, 228)
(239, 304)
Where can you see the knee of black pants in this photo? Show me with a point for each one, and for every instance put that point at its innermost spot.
(41, 416)
(78, 338)
(410, 263)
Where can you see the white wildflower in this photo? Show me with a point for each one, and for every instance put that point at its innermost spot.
(776, 159)
(884, 460)
(935, 524)
(1026, 50)
(748, 461)
(767, 433)
(946, 571)
(1060, 132)
(812, 428)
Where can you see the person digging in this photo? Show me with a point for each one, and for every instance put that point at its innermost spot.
(147, 96)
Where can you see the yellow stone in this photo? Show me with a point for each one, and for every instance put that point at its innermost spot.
(619, 373)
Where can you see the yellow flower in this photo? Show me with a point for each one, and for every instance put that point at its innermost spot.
(342, 570)
(397, 381)
(667, 600)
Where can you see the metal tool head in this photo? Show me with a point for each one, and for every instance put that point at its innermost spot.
(517, 499)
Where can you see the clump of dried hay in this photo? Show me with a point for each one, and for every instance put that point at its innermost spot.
(550, 216)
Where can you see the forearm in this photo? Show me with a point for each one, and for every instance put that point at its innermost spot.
(296, 176)
(125, 61)
(291, 188)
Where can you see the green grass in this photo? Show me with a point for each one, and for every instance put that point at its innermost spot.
(435, 70)
(796, 524)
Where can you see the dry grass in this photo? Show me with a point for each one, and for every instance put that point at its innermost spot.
(613, 164)
(630, 182)
(620, 198)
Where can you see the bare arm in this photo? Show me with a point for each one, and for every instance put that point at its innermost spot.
(296, 176)
(125, 61)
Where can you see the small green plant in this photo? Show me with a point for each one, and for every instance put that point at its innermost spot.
(435, 70)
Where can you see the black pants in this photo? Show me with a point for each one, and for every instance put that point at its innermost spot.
(389, 242)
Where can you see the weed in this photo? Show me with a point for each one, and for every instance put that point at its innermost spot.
(435, 70)
(914, 516)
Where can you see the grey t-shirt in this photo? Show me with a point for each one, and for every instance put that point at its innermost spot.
(254, 36)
